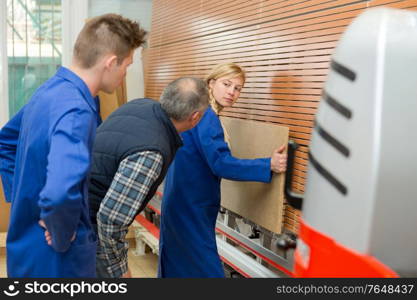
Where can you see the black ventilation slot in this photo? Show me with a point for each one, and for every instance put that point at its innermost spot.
(332, 141)
(327, 175)
(340, 108)
(342, 70)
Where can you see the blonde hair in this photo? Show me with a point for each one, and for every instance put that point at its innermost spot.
(230, 70)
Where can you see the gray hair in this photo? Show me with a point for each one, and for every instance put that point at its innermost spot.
(184, 96)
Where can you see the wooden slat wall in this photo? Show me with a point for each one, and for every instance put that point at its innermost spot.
(284, 45)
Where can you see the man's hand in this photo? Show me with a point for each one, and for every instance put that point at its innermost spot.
(279, 160)
(48, 236)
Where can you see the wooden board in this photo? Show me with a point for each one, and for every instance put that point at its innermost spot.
(259, 202)
(4, 211)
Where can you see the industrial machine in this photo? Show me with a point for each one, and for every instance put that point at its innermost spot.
(246, 249)
(360, 207)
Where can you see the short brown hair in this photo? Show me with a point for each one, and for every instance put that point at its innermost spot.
(109, 33)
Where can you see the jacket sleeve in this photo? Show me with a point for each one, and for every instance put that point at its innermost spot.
(210, 140)
(61, 198)
(9, 136)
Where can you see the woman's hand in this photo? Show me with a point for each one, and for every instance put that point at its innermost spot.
(279, 160)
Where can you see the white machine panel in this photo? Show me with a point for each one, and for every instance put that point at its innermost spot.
(362, 180)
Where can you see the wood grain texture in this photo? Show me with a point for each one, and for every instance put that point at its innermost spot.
(261, 203)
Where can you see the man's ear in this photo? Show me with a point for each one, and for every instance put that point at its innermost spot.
(110, 61)
(195, 117)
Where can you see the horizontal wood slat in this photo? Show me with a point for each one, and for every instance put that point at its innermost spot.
(249, 16)
(184, 25)
(284, 46)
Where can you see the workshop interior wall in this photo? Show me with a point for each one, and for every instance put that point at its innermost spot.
(284, 45)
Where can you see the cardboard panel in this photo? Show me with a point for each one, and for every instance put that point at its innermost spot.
(259, 202)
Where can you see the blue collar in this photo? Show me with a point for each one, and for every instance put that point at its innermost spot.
(80, 84)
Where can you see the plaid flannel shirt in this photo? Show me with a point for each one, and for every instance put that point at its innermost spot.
(129, 188)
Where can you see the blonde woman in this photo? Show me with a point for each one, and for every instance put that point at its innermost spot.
(192, 187)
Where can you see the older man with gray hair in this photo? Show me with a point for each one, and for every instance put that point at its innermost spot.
(132, 152)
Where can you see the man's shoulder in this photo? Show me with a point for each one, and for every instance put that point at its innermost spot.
(136, 106)
(142, 101)
(54, 102)
(57, 88)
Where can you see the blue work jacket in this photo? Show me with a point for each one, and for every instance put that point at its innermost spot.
(45, 153)
(191, 199)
